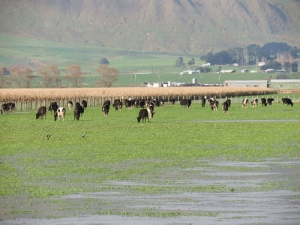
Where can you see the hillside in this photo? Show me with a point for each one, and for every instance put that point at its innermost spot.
(178, 26)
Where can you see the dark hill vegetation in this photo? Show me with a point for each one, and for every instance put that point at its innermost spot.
(179, 26)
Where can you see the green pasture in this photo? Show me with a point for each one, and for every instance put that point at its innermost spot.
(16, 50)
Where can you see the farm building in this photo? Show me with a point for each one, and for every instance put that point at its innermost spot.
(245, 83)
(285, 83)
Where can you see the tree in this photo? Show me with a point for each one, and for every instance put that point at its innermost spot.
(21, 75)
(179, 62)
(287, 66)
(108, 75)
(2, 77)
(104, 61)
(74, 75)
(272, 65)
(50, 74)
(294, 67)
(191, 62)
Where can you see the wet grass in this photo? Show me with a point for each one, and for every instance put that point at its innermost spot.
(152, 155)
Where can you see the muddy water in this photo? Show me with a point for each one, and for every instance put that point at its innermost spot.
(265, 192)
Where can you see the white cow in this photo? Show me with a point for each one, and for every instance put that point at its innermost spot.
(60, 112)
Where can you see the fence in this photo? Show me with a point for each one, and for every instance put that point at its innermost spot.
(35, 104)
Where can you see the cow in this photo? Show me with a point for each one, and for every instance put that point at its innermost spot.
(173, 101)
(84, 104)
(228, 100)
(203, 101)
(263, 101)
(269, 101)
(225, 106)
(8, 107)
(60, 112)
(41, 112)
(117, 104)
(81, 109)
(287, 101)
(161, 102)
(186, 102)
(70, 105)
(245, 103)
(105, 107)
(254, 102)
(53, 106)
(128, 103)
(150, 110)
(143, 115)
(77, 112)
(142, 103)
(214, 104)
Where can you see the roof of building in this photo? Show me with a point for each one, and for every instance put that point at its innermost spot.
(285, 81)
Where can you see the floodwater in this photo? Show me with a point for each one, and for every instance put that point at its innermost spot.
(264, 192)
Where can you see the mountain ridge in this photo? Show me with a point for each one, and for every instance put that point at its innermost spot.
(177, 26)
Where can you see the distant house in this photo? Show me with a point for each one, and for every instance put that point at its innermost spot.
(268, 71)
(235, 64)
(261, 63)
(244, 71)
(190, 72)
(245, 83)
(227, 71)
(206, 64)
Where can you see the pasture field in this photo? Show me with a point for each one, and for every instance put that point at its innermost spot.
(187, 164)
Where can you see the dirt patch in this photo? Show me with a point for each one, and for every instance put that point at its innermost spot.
(216, 192)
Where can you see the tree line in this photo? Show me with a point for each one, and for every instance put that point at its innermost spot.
(21, 76)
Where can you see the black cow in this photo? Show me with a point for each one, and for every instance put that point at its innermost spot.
(143, 115)
(287, 101)
(128, 103)
(105, 107)
(142, 103)
(53, 106)
(70, 105)
(84, 104)
(263, 102)
(203, 101)
(173, 101)
(186, 102)
(245, 102)
(77, 112)
(80, 108)
(254, 102)
(228, 100)
(41, 112)
(225, 107)
(117, 104)
(269, 101)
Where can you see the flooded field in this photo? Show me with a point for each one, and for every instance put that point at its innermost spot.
(214, 192)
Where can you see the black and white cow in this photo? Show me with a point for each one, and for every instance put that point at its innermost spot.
(228, 100)
(142, 103)
(117, 104)
(263, 101)
(105, 107)
(287, 101)
(245, 103)
(84, 104)
(213, 104)
(70, 105)
(41, 112)
(186, 102)
(129, 102)
(150, 109)
(269, 101)
(60, 112)
(225, 106)
(8, 107)
(254, 102)
(53, 106)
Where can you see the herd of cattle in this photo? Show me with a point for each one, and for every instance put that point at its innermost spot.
(147, 106)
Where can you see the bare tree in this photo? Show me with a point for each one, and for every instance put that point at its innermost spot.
(21, 75)
(74, 75)
(50, 74)
(27, 77)
(108, 75)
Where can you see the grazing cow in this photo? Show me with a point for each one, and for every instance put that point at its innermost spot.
(8, 107)
(287, 101)
(143, 115)
(245, 103)
(161, 102)
(53, 106)
(186, 102)
(225, 106)
(214, 104)
(173, 101)
(105, 107)
(203, 101)
(254, 102)
(41, 112)
(117, 104)
(70, 105)
(142, 103)
(77, 112)
(81, 109)
(263, 102)
(128, 103)
(60, 112)
(150, 110)
(228, 100)
(84, 104)
(269, 101)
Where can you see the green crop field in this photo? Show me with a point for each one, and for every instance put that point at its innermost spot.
(36, 173)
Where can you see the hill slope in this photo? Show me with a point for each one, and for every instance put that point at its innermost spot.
(182, 26)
